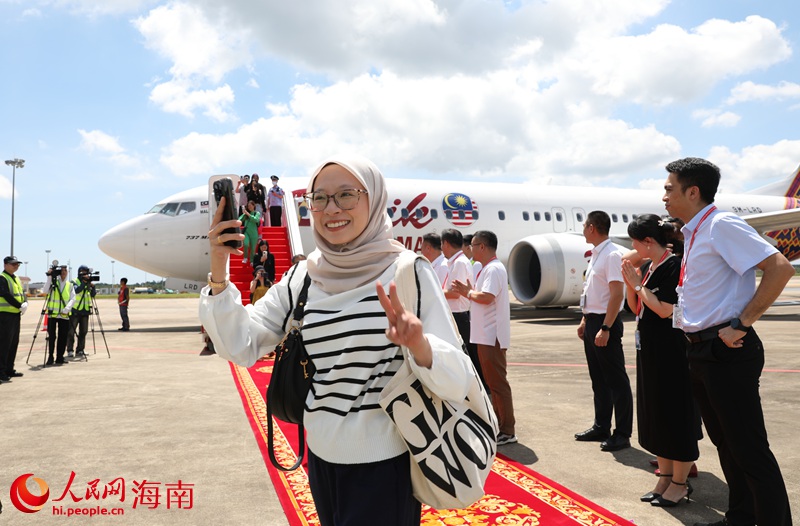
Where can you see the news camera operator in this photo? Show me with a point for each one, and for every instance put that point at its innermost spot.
(60, 298)
(81, 309)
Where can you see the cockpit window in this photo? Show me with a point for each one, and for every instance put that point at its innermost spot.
(170, 209)
(156, 209)
(185, 208)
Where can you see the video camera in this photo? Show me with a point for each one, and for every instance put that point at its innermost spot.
(89, 275)
(55, 269)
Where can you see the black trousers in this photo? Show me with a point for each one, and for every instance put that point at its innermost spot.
(59, 326)
(275, 213)
(463, 325)
(78, 323)
(610, 383)
(725, 385)
(123, 313)
(363, 494)
(9, 341)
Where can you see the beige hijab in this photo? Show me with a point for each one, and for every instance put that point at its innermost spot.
(336, 269)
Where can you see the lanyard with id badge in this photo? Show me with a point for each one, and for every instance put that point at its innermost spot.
(637, 338)
(677, 311)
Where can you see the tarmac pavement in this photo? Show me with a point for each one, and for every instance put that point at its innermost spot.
(156, 416)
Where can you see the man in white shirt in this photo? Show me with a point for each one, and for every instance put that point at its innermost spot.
(490, 327)
(601, 332)
(60, 298)
(432, 250)
(459, 269)
(718, 303)
(467, 248)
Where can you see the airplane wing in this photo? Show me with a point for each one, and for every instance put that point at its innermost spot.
(773, 221)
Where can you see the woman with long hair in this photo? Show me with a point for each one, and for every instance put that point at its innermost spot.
(250, 219)
(358, 464)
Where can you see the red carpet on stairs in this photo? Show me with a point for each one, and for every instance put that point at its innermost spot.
(241, 274)
(515, 494)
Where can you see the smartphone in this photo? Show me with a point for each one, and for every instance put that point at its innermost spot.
(224, 188)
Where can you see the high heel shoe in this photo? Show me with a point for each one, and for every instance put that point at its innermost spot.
(650, 497)
(661, 502)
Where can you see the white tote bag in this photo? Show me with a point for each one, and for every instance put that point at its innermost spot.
(452, 445)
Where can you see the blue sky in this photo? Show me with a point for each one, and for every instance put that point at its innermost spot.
(115, 104)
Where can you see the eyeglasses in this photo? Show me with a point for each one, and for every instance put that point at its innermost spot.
(473, 245)
(344, 199)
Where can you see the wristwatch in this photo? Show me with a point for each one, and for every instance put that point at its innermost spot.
(605, 328)
(637, 288)
(217, 285)
(736, 324)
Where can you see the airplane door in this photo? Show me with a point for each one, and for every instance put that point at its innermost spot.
(578, 217)
(559, 220)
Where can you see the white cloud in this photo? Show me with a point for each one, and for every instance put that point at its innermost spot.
(202, 52)
(747, 91)
(97, 141)
(467, 88)
(755, 165)
(176, 97)
(5, 188)
(716, 118)
(671, 64)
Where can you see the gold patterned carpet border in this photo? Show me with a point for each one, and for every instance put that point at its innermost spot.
(515, 494)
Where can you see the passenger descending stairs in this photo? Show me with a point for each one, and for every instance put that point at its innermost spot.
(241, 274)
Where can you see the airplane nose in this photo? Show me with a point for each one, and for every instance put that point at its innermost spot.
(118, 242)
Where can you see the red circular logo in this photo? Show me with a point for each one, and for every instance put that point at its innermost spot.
(23, 499)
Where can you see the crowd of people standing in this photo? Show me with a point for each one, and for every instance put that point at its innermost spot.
(689, 281)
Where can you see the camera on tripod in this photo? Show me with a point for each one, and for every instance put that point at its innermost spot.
(55, 269)
(89, 275)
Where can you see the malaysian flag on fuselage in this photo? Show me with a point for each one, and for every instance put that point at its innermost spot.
(459, 209)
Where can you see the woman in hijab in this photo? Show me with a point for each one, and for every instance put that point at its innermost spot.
(358, 464)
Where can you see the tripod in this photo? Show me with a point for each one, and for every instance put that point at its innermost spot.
(94, 312)
(50, 295)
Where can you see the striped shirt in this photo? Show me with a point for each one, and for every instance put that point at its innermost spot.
(345, 337)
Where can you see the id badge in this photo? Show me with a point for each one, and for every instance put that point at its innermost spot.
(637, 340)
(677, 311)
(583, 301)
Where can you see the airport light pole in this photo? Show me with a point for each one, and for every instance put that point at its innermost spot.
(113, 281)
(47, 257)
(14, 163)
(27, 283)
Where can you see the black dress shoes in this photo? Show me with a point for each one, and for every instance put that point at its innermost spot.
(615, 443)
(593, 434)
(649, 497)
(15, 374)
(723, 522)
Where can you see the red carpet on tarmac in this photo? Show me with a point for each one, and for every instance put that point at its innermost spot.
(515, 494)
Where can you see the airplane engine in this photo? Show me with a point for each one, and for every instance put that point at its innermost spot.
(547, 270)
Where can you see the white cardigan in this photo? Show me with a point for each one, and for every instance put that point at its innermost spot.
(345, 337)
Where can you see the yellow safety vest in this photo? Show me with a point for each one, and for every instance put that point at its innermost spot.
(15, 287)
(83, 300)
(58, 300)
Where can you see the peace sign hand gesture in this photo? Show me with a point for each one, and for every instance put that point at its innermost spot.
(405, 328)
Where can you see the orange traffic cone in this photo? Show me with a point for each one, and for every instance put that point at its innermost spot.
(45, 323)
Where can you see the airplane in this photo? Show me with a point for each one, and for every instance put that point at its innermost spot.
(539, 228)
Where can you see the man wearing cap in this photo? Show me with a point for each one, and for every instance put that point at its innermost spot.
(12, 307)
(59, 307)
(81, 309)
(275, 202)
